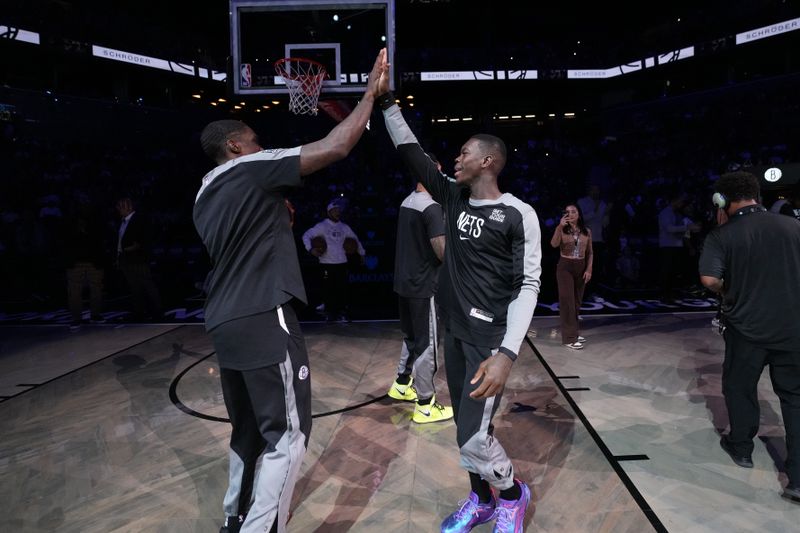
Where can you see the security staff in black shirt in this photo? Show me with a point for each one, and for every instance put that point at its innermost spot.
(752, 259)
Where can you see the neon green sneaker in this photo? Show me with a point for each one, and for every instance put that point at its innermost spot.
(404, 393)
(433, 412)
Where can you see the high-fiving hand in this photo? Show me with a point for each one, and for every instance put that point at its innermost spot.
(380, 72)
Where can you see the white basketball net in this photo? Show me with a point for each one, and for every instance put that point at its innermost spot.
(303, 78)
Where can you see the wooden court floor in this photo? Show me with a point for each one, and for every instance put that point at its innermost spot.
(121, 429)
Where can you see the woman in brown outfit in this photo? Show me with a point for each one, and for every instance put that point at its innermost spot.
(574, 271)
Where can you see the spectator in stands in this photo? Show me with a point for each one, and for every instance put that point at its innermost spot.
(792, 206)
(673, 226)
(596, 217)
(83, 253)
(628, 268)
(133, 259)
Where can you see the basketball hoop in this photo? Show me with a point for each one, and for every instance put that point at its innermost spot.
(303, 78)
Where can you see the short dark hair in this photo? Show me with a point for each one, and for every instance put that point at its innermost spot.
(493, 144)
(215, 134)
(739, 185)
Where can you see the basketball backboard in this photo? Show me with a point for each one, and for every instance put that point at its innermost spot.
(344, 36)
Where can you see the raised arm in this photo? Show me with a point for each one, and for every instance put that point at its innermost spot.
(338, 143)
(558, 234)
(420, 165)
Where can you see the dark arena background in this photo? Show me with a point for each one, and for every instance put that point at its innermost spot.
(113, 423)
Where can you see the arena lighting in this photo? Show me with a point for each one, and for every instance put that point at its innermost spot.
(569, 115)
(530, 116)
(410, 97)
(213, 103)
(196, 96)
(452, 119)
(275, 102)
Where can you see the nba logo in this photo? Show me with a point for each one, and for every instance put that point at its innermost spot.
(245, 76)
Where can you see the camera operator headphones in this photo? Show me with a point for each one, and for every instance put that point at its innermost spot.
(719, 200)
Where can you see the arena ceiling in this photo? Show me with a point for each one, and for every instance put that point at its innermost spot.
(546, 32)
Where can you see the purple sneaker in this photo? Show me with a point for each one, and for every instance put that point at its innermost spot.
(511, 513)
(470, 513)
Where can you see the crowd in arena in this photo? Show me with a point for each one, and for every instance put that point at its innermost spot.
(638, 158)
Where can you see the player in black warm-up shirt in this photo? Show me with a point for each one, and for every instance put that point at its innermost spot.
(489, 289)
(753, 260)
(419, 253)
(241, 215)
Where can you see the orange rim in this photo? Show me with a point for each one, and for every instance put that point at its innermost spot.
(292, 76)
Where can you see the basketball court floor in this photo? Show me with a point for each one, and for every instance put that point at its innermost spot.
(122, 429)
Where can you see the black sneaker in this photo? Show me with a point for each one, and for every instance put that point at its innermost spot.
(792, 493)
(232, 524)
(745, 461)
